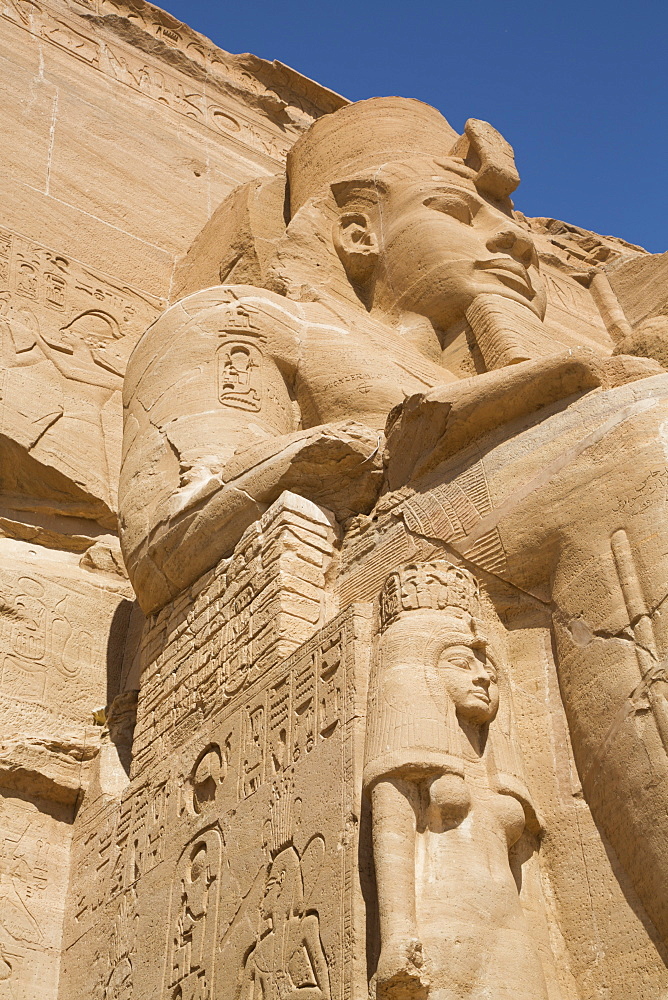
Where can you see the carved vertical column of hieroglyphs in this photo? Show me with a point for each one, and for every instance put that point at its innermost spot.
(247, 613)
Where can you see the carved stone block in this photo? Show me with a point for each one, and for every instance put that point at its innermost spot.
(233, 864)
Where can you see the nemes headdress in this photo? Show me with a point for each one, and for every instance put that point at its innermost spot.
(386, 129)
(238, 243)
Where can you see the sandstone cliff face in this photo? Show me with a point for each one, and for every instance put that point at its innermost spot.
(210, 836)
(123, 130)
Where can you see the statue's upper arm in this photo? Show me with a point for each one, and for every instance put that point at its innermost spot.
(222, 361)
(210, 378)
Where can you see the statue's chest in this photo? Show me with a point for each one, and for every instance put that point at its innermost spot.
(352, 375)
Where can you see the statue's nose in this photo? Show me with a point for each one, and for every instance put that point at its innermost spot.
(514, 242)
(480, 676)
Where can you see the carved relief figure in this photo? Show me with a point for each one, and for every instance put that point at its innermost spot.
(404, 284)
(448, 798)
(190, 967)
(117, 969)
(287, 962)
(23, 879)
(65, 335)
(195, 888)
(272, 936)
(6, 970)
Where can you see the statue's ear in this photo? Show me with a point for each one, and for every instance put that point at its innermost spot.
(354, 235)
(357, 245)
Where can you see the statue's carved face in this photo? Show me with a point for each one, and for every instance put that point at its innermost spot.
(440, 243)
(470, 679)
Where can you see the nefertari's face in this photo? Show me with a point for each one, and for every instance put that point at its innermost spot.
(470, 679)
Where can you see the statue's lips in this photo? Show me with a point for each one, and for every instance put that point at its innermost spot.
(510, 272)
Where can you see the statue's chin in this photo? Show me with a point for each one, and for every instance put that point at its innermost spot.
(476, 714)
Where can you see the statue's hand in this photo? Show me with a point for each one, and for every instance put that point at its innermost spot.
(430, 427)
(338, 466)
(402, 970)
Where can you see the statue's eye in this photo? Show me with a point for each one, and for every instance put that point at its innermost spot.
(451, 204)
(460, 661)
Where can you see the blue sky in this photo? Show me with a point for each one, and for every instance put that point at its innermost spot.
(580, 89)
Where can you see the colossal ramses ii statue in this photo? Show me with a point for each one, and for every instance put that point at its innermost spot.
(382, 343)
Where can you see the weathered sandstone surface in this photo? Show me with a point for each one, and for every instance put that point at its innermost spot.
(333, 545)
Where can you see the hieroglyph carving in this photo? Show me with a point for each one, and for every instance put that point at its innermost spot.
(129, 66)
(204, 652)
(209, 772)
(255, 877)
(283, 724)
(238, 381)
(23, 669)
(39, 634)
(286, 85)
(190, 973)
(52, 302)
(65, 335)
(240, 360)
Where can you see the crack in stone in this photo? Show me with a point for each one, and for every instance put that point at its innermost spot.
(469, 562)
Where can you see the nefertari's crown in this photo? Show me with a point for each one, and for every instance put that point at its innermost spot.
(432, 585)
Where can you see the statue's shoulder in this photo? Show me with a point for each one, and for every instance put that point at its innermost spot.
(190, 329)
(227, 306)
(227, 296)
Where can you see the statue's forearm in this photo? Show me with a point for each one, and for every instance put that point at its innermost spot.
(394, 832)
(337, 466)
(430, 427)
